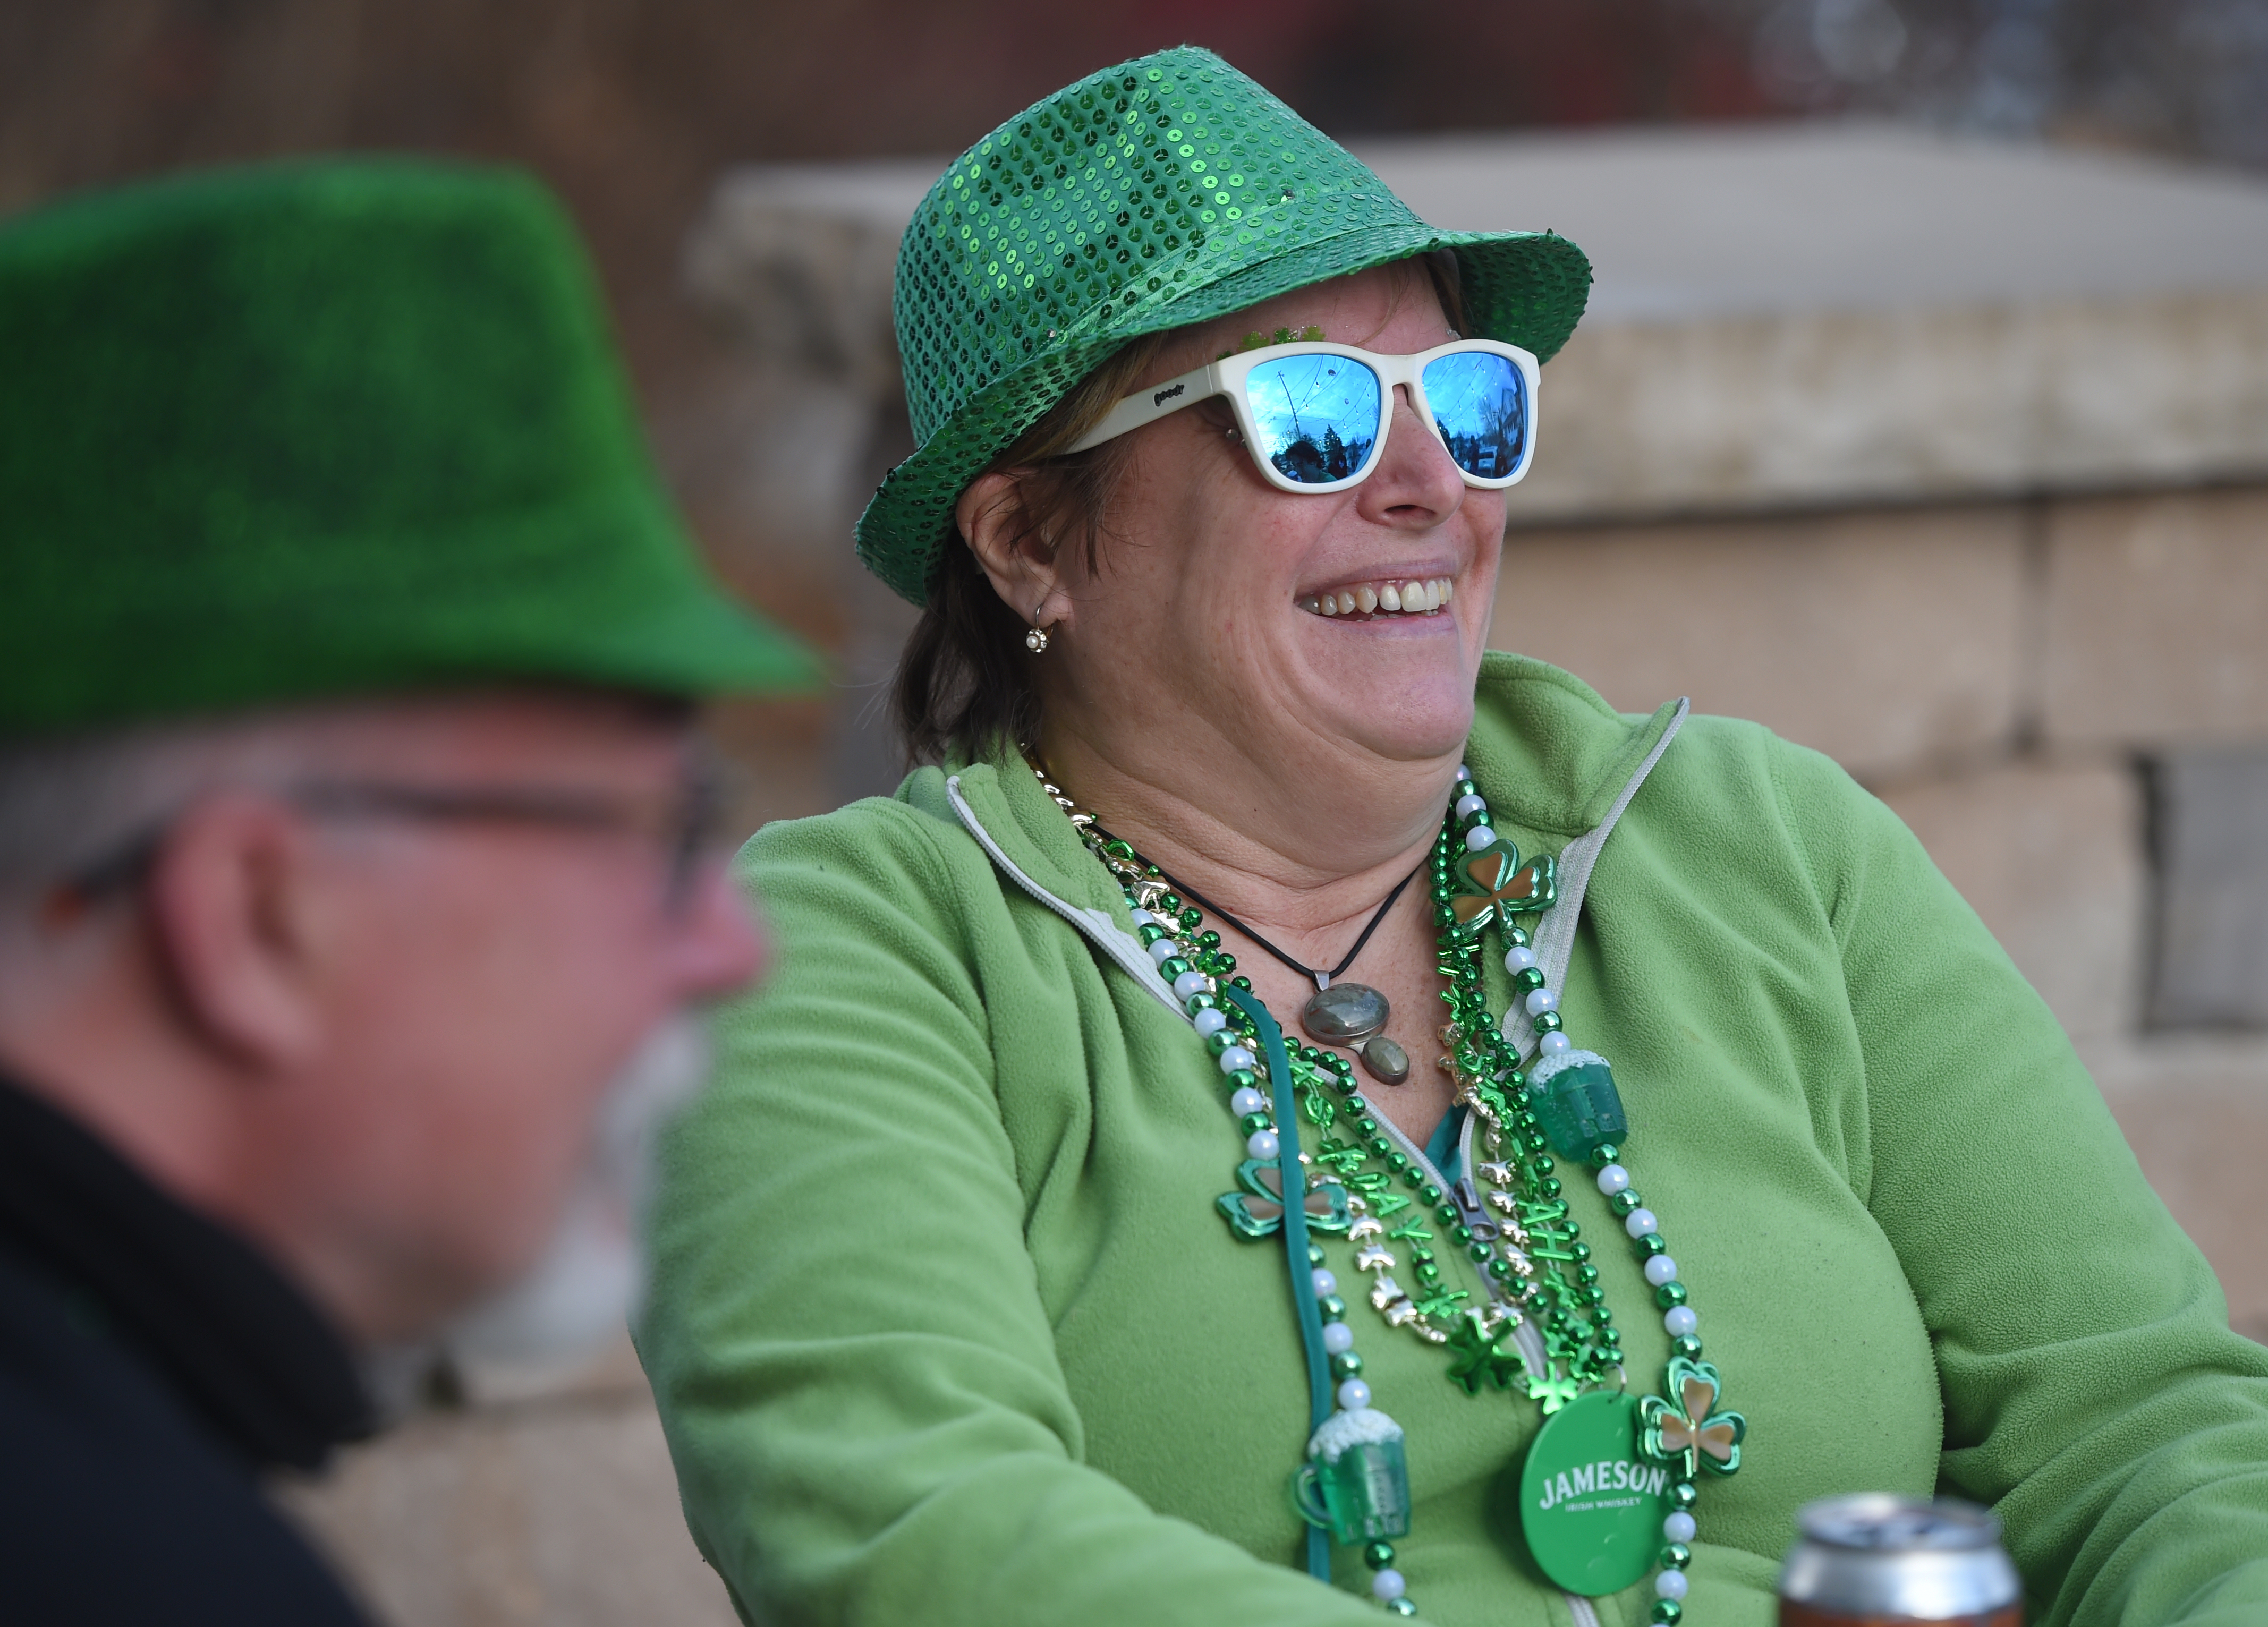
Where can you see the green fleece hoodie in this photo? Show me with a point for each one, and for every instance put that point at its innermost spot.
(946, 1326)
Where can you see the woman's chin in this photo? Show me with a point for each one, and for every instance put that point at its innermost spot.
(1401, 685)
(1402, 716)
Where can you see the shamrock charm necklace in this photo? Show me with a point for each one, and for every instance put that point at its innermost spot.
(1610, 1482)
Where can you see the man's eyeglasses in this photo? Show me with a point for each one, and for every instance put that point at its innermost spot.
(1314, 414)
(684, 826)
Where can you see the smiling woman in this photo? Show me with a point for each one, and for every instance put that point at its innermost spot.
(1102, 1139)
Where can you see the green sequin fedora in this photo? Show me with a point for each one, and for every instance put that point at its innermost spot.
(331, 427)
(1163, 192)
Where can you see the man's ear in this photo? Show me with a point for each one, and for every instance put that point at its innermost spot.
(234, 926)
(1016, 557)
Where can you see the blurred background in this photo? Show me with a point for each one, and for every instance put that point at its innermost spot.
(1922, 414)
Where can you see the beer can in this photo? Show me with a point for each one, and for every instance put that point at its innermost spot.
(1874, 1560)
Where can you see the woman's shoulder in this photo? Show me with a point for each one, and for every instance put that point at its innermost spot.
(910, 838)
(1551, 705)
(1568, 756)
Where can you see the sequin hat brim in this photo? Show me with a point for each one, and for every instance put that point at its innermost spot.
(1161, 193)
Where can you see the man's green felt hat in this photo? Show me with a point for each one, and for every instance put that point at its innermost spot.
(1165, 191)
(325, 429)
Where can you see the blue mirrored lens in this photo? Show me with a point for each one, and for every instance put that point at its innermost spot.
(1480, 406)
(1317, 416)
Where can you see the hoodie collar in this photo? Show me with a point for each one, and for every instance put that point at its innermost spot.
(1017, 813)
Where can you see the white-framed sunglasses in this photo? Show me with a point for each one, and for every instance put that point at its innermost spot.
(1314, 414)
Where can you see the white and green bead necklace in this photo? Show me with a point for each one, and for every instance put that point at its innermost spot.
(1609, 1483)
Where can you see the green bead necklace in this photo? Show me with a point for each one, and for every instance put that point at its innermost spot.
(1606, 1472)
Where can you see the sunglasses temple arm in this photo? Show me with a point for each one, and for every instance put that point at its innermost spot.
(1148, 406)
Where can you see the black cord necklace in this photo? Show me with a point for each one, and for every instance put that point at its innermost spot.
(1321, 979)
(1352, 1014)
(1349, 1014)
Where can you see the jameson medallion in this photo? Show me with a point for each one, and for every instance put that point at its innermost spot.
(1874, 1560)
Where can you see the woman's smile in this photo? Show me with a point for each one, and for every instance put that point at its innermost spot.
(1389, 596)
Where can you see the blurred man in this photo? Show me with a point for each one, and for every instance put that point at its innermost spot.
(355, 855)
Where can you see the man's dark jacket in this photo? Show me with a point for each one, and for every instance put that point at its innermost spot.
(151, 1365)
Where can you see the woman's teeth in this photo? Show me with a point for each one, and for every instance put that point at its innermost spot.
(1382, 598)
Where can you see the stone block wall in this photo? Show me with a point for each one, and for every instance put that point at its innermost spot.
(2153, 615)
(1885, 640)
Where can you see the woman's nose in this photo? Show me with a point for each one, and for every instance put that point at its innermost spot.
(1416, 486)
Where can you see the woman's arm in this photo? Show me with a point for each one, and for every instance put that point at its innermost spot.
(854, 1366)
(2094, 1393)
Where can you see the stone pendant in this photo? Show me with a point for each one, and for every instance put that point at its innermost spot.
(1346, 1013)
(1385, 1061)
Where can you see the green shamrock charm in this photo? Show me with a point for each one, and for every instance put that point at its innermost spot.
(1690, 1429)
(1258, 1211)
(1506, 888)
(1552, 1392)
(1442, 1302)
(1474, 1361)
